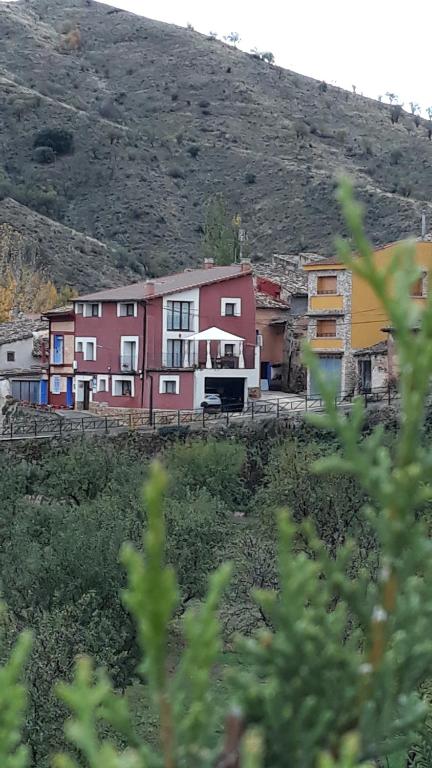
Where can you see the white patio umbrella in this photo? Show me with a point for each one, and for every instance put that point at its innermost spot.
(217, 334)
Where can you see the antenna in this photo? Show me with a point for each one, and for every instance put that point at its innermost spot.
(423, 225)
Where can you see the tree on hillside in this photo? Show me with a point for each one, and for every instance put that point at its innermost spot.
(391, 97)
(23, 285)
(221, 239)
(233, 38)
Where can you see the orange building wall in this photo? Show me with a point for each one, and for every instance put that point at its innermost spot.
(272, 349)
(368, 317)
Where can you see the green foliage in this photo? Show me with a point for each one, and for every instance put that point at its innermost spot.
(61, 141)
(213, 465)
(220, 240)
(44, 155)
(182, 701)
(199, 526)
(13, 754)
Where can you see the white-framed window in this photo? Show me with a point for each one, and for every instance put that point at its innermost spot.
(79, 307)
(86, 345)
(129, 353)
(92, 309)
(230, 307)
(229, 350)
(169, 385)
(102, 383)
(55, 385)
(126, 309)
(123, 386)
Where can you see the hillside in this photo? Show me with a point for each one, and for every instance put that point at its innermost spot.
(163, 117)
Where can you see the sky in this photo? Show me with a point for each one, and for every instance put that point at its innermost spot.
(377, 45)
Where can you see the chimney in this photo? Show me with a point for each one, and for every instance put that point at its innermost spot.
(149, 288)
(245, 265)
(208, 263)
(423, 226)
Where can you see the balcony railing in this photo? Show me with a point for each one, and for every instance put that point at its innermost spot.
(195, 361)
(128, 364)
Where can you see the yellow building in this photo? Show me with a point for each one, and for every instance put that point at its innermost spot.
(345, 318)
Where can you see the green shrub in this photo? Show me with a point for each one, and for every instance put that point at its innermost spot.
(60, 141)
(193, 150)
(175, 172)
(44, 155)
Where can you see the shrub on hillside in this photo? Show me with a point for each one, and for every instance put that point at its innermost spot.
(193, 150)
(175, 172)
(60, 140)
(250, 178)
(44, 155)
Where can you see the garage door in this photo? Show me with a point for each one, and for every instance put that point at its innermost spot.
(25, 390)
(231, 391)
(330, 368)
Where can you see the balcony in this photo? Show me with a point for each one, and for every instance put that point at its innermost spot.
(326, 302)
(128, 364)
(194, 361)
(326, 343)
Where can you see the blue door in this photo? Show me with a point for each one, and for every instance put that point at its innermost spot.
(330, 368)
(58, 350)
(69, 392)
(44, 392)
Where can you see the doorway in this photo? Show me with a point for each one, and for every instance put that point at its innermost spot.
(330, 369)
(86, 396)
(365, 375)
(69, 392)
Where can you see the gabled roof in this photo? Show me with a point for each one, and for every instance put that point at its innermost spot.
(160, 286)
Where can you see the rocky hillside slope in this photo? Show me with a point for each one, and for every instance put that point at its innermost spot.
(163, 117)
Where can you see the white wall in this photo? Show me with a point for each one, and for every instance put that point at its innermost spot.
(249, 375)
(23, 355)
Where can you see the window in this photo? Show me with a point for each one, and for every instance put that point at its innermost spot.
(229, 350)
(92, 309)
(326, 328)
(327, 284)
(175, 353)
(179, 316)
(79, 307)
(126, 310)
(102, 384)
(79, 346)
(230, 307)
(27, 391)
(122, 387)
(129, 353)
(57, 357)
(89, 353)
(417, 288)
(169, 385)
(55, 385)
(10, 356)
